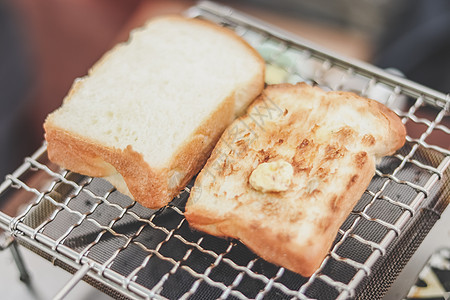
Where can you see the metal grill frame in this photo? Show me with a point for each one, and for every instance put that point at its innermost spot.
(241, 23)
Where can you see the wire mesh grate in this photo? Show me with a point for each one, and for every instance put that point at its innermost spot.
(145, 253)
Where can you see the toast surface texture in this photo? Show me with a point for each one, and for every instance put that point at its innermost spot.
(284, 177)
(150, 111)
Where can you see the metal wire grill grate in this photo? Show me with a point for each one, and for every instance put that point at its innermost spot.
(145, 253)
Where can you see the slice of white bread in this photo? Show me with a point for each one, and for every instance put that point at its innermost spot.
(284, 177)
(148, 114)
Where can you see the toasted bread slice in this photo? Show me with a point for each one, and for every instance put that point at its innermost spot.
(284, 177)
(149, 113)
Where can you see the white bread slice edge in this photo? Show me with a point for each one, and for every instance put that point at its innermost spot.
(155, 183)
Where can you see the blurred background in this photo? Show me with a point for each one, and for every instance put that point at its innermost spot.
(46, 44)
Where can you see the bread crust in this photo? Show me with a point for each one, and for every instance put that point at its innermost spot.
(152, 187)
(275, 225)
(260, 237)
(87, 157)
(147, 185)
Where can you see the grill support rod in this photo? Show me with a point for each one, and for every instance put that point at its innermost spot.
(24, 275)
(73, 282)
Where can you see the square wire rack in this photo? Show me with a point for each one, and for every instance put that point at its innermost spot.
(85, 226)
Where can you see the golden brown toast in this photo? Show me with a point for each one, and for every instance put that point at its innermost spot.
(284, 177)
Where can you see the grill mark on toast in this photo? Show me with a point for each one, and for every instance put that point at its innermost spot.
(352, 181)
(346, 134)
(333, 152)
(303, 157)
(368, 140)
(361, 159)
